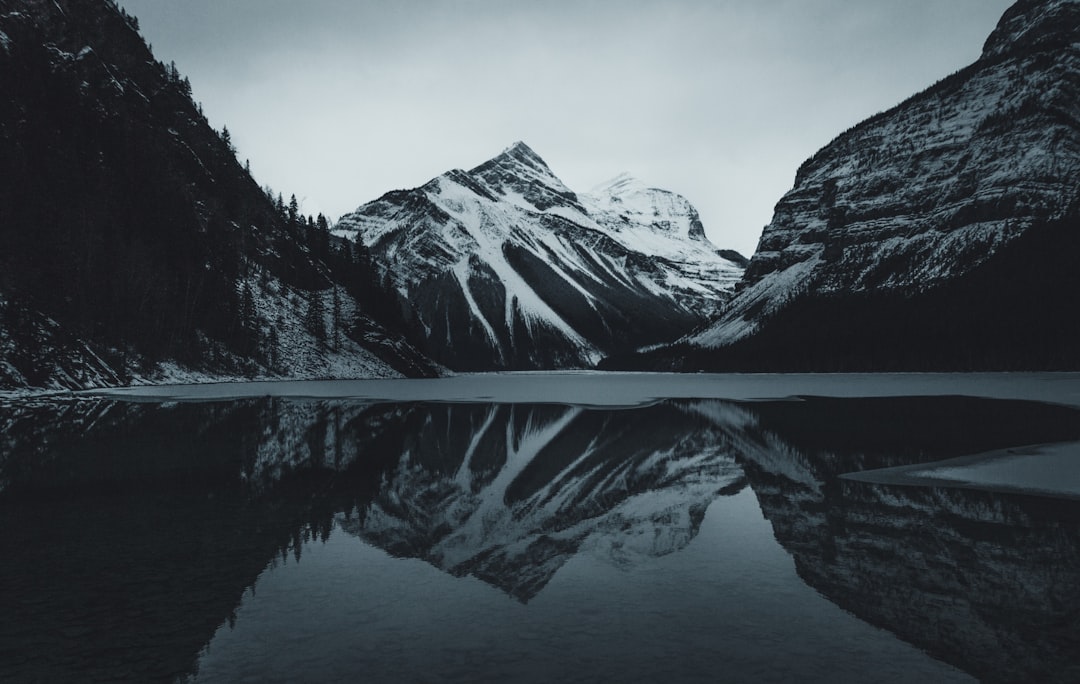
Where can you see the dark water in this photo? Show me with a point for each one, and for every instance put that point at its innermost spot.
(289, 540)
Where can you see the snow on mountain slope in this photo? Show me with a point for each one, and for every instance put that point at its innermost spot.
(53, 360)
(508, 268)
(924, 193)
(643, 214)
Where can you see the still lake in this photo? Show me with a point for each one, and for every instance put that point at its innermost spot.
(545, 527)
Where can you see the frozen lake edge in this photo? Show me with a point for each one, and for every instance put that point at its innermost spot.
(614, 389)
(1042, 470)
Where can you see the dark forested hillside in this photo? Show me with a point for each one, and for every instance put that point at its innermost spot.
(128, 229)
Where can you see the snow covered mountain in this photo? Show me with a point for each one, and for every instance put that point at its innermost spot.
(930, 234)
(134, 247)
(506, 267)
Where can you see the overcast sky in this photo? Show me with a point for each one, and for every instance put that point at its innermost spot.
(339, 101)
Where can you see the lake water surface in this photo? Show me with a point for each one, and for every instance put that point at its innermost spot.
(892, 528)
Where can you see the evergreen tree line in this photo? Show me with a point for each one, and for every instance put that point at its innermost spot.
(128, 220)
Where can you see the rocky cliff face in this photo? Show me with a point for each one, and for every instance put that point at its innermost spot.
(506, 267)
(914, 200)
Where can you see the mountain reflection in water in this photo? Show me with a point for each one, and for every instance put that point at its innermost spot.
(132, 532)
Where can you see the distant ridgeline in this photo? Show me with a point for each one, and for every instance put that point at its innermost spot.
(939, 235)
(130, 236)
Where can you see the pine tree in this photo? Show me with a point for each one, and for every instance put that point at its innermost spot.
(310, 236)
(294, 211)
(336, 319)
(248, 318)
(272, 345)
(314, 319)
(346, 255)
(226, 138)
(322, 232)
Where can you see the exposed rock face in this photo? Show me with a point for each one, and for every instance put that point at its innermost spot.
(916, 198)
(506, 267)
(1033, 26)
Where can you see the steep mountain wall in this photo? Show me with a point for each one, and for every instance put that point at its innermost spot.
(871, 260)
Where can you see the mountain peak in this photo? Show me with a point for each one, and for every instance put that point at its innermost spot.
(1034, 26)
(520, 149)
(520, 153)
(625, 198)
(519, 170)
(621, 184)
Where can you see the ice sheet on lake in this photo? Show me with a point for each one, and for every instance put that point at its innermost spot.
(587, 388)
(1045, 469)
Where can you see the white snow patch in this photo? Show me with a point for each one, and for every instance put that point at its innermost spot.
(774, 290)
(462, 273)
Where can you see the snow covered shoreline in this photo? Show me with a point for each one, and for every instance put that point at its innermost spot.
(611, 389)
